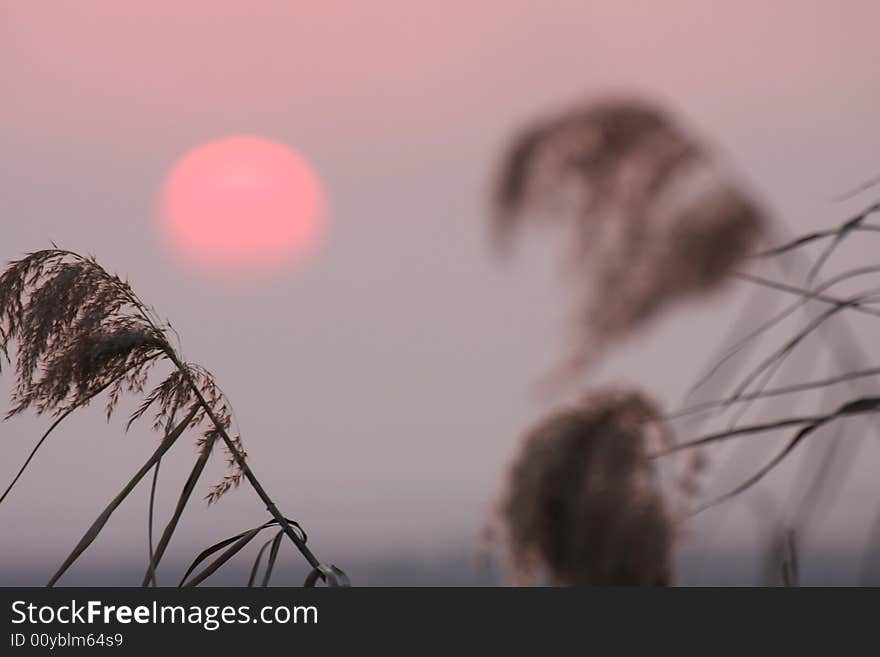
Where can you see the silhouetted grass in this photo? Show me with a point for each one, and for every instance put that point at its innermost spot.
(653, 220)
(652, 217)
(79, 331)
(583, 505)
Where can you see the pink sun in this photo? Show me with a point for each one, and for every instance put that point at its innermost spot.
(242, 205)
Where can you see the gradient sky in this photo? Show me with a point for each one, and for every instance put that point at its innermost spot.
(381, 387)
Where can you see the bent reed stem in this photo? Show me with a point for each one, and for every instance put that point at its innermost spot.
(242, 463)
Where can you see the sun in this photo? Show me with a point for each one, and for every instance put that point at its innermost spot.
(242, 205)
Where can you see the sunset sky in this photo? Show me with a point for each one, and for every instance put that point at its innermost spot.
(381, 384)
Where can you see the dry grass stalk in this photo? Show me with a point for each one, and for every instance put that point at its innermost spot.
(79, 331)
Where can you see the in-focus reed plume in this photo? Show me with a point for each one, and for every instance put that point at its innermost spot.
(583, 504)
(78, 331)
(652, 216)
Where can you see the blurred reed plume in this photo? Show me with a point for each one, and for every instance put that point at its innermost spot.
(558, 522)
(79, 331)
(652, 216)
(583, 504)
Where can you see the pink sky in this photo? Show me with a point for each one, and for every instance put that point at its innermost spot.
(404, 346)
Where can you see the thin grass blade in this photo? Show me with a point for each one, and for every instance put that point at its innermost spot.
(102, 519)
(257, 561)
(238, 543)
(150, 519)
(185, 495)
(273, 556)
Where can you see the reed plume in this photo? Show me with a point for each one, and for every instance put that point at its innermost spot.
(74, 331)
(653, 218)
(583, 505)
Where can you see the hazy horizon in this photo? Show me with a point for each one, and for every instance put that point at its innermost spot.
(382, 386)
